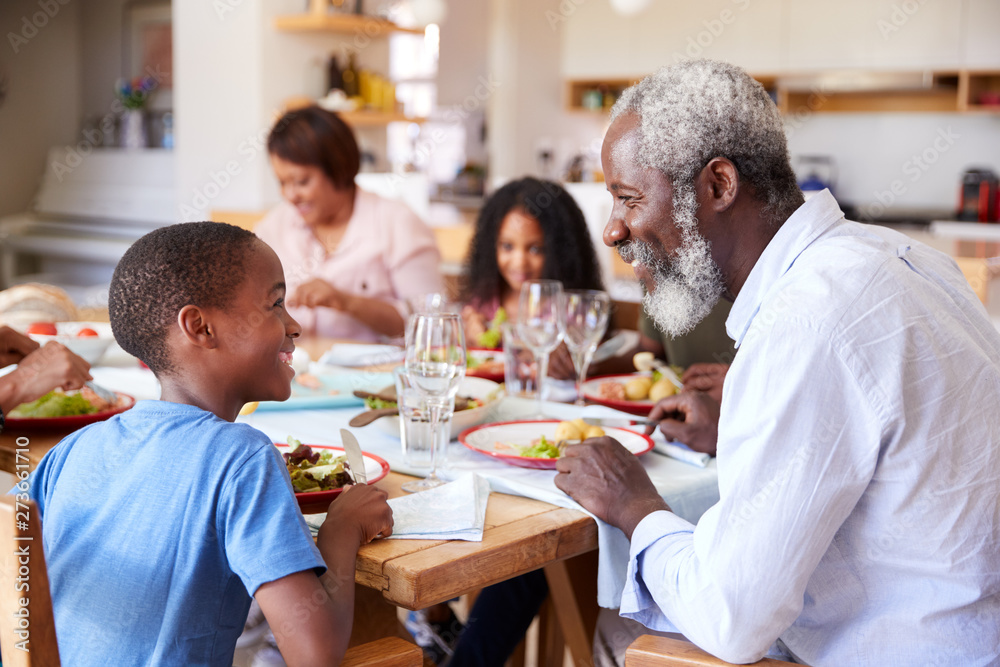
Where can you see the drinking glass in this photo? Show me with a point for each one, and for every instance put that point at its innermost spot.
(435, 364)
(586, 319)
(541, 318)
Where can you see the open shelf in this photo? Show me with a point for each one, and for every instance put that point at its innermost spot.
(941, 91)
(340, 23)
(375, 118)
(982, 91)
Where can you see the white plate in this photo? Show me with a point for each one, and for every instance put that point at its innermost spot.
(362, 354)
(502, 440)
(471, 387)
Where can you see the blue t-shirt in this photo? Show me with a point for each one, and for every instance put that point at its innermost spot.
(156, 524)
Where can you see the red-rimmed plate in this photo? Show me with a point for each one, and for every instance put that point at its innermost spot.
(503, 440)
(486, 364)
(70, 423)
(592, 392)
(315, 502)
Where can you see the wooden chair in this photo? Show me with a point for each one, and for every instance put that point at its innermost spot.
(24, 594)
(653, 651)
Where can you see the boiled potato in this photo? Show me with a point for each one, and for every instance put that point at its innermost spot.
(581, 425)
(662, 389)
(568, 431)
(593, 432)
(637, 389)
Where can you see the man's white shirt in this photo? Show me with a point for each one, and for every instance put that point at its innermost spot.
(859, 464)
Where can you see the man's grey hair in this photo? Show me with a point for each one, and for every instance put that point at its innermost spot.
(696, 110)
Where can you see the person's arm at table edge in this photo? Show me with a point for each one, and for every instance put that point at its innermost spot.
(302, 608)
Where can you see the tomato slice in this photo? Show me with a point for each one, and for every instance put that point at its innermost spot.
(42, 328)
(86, 332)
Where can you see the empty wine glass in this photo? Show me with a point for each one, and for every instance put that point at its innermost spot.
(586, 319)
(435, 364)
(541, 318)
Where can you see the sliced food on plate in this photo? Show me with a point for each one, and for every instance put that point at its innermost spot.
(539, 444)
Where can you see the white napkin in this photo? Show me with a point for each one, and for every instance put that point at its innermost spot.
(453, 511)
(359, 354)
(681, 452)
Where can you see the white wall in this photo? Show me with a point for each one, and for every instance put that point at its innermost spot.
(924, 153)
(217, 98)
(527, 110)
(770, 36)
(42, 108)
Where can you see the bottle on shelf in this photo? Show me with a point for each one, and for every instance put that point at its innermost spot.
(334, 76)
(350, 77)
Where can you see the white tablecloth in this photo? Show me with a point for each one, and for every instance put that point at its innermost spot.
(688, 489)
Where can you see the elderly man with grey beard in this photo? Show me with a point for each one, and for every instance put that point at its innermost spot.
(858, 444)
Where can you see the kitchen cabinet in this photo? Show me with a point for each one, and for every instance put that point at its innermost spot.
(879, 34)
(982, 42)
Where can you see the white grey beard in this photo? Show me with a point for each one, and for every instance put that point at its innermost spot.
(687, 288)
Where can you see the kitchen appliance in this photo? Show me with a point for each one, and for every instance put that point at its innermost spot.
(979, 196)
(815, 173)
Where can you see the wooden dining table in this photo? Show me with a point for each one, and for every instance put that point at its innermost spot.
(520, 535)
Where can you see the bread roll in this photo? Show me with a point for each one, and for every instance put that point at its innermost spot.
(34, 302)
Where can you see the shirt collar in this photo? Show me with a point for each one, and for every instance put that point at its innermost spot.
(797, 233)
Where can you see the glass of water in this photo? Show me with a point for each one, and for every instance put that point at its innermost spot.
(435, 364)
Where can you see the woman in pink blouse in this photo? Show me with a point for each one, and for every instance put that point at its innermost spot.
(352, 259)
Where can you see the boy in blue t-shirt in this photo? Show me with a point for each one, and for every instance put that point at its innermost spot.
(162, 521)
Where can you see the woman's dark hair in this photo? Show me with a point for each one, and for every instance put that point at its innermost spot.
(569, 252)
(319, 138)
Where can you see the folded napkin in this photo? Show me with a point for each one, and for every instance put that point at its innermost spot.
(453, 511)
(681, 452)
(359, 354)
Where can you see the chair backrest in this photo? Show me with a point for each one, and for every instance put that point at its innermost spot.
(27, 626)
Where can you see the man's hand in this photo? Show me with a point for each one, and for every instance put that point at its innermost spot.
(318, 292)
(691, 417)
(14, 346)
(561, 364)
(609, 482)
(707, 378)
(362, 507)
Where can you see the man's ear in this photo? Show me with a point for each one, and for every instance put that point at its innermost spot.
(196, 328)
(720, 184)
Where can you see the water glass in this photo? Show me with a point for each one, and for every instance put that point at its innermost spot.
(586, 320)
(415, 425)
(435, 365)
(519, 366)
(541, 322)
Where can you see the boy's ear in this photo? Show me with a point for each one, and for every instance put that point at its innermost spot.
(196, 328)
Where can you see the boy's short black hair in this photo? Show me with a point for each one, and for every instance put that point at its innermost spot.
(193, 263)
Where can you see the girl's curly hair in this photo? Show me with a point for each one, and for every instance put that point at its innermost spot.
(569, 252)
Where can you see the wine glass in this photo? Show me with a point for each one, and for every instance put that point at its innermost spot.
(435, 364)
(541, 318)
(586, 319)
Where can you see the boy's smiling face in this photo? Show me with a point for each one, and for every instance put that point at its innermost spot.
(255, 334)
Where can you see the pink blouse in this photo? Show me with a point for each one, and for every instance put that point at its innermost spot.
(386, 253)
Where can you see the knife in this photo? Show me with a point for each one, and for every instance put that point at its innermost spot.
(619, 422)
(355, 458)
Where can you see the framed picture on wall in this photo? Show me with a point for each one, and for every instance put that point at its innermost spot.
(148, 47)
